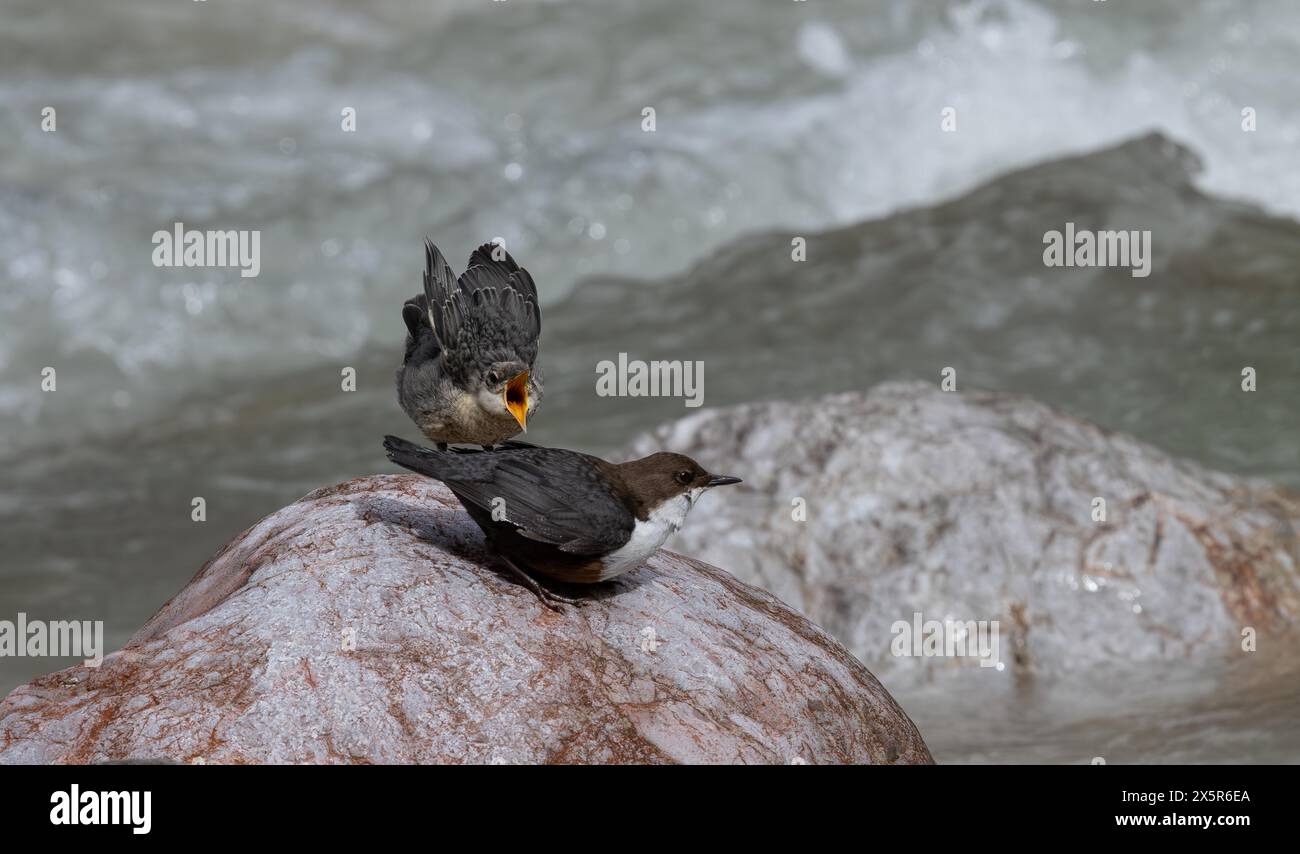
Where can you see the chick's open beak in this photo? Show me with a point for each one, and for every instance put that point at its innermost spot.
(516, 399)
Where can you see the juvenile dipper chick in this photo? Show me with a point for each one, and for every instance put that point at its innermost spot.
(468, 373)
(565, 515)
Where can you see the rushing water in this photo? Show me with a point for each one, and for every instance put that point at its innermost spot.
(524, 121)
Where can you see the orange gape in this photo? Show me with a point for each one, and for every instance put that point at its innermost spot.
(517, 399)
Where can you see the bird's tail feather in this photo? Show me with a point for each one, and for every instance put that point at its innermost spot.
(425, 461)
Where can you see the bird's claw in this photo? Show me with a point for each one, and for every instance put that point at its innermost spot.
(550, 598)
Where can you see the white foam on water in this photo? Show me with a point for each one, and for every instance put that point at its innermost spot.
(525, 123)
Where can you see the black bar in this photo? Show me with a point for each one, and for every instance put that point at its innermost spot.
(220, 802)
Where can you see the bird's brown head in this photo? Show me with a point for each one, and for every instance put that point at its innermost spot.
(665, 475)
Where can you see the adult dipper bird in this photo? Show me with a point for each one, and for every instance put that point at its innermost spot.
(568, 516)
(471, 342)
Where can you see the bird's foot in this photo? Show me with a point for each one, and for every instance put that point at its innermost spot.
(549, 598)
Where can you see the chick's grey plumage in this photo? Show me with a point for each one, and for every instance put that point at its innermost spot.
(471, 349)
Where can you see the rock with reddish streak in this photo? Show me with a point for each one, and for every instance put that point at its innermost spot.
(365, 624)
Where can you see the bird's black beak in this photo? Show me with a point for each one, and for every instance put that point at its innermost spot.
(722, 480)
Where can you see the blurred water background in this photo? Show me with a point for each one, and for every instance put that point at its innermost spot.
(523, 120)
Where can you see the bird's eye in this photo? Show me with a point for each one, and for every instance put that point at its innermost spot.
(684, 477)
(494, 377)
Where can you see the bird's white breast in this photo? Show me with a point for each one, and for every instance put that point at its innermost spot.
(649, 534)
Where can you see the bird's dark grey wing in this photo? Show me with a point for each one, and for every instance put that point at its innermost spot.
(491, 308)
(495, 257)
(492, 255)
(439, 286)
(489, 302)
(421, 341)
(552, 496)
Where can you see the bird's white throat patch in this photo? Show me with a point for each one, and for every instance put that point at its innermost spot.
(650, 533)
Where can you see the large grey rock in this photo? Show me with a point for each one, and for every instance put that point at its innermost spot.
(363, 624)
(978, 506)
